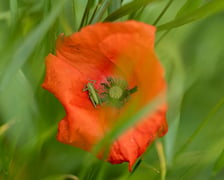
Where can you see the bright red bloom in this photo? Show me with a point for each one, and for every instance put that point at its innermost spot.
(122, 49)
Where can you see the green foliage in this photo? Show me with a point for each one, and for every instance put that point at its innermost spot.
(193, 59)
(219, 165)
(127, 9)
(188, 7)
(204, 11)
(100, 11)
(114, 5)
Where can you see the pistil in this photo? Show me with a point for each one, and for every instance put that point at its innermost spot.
(115, 92)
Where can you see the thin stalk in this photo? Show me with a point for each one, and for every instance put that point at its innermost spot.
(94, 12)
(100, 12)
(86, 14)
(137, 13)
(203, 123)
(163, 12)
(162, 36)
(14, 12)
(74, 15)
(162, 159)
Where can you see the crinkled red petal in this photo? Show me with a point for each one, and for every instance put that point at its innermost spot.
(107, 49)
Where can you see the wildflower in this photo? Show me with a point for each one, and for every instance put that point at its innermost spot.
(96, 74)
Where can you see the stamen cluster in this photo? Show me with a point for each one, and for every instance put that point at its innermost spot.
(116, 92)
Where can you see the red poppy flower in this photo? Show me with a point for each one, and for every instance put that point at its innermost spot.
(118, 62)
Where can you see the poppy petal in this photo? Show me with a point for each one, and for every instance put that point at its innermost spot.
(123, 49)
(135, 141)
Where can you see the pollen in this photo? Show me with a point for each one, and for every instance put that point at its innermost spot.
(115, 92)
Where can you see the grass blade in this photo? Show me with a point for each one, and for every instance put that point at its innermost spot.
(21, 55)
(163, 12)
(5, 127)
(100, 12)
(74, 14)
(86, 14)
(114, 5)
(219, 164)
(208, 9)
(188, 7)
(128, 9)
(203, 123)
(14, 12)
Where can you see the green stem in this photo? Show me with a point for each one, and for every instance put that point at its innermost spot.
(94, 12)
(14, 12)
(85, 15)
(74, 15)
(162, 36)
(203, 123)
(163, 12)
(100, 12)
(162, 159)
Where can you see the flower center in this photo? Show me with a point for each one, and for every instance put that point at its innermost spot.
(115, 92)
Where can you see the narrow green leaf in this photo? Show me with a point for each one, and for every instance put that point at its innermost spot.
(137, 164)
(114, 5)
(162, 36)
(14, 11)
(163, 12)
(214, 110)
(47, 7)
(23, 52)
(17, 104)
(5, 127)
(208, 9)
(100, 12)
(127, 9)
(219, 164)
(188, 7)
(137, 14)
(74, 14)
(86, 13)
(175, 76)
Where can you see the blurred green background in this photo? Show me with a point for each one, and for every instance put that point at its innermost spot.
(190, 37)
